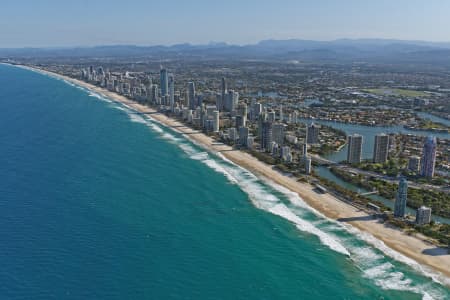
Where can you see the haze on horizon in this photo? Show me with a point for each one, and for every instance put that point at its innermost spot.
(63, 23)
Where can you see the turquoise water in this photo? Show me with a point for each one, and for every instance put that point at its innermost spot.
(98, 202)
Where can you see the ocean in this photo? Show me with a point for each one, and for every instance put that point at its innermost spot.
(100, 202)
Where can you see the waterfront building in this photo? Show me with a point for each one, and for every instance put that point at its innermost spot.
(401, 199)
(381, 148)
(423, 215)
(428, 161)
(216, 120)
(308, 165)
(286, 154)
(171, 93)
(164, 82)
(414, 164)
(266, 135)
(232, 133)
(250, 142)
(243, 136)
(278, 133)
(354, 148)
(312, 134)
(190, 96)
(223, 93)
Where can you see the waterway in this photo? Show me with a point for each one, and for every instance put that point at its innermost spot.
(434, 118)
(368, 133)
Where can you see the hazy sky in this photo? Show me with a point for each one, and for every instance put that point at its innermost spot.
(39, 23)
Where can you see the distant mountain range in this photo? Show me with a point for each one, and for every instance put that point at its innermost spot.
(342, 50)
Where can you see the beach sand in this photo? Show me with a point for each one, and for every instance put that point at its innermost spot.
(414, 247)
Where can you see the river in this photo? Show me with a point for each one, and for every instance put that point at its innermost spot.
(368, 132)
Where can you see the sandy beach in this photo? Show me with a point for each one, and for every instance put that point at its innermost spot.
(413, 247)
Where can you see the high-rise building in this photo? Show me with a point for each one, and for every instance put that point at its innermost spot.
(216, 120)
(308, 165)
(242, 111)
(233, 134)
(312, 134)
(402, 197)
(171, 93)
(381, 148)
(278, 133)
(266, 135)
(223, 93)
(428, 157)
(354, 148)
(414, 163)
(286, 154)
(250, 141)
(256, 110)
(423, 215)
(219, 102)
(164, 82)
(243, 136)
(231, 101)
(154, 94)
(190, 95)
(305, 150)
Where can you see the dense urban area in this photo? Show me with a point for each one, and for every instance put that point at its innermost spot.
(374, 135)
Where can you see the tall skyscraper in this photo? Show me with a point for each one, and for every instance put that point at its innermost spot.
(266, 135)
(312, 134)
(223, 93)
(190, 95)
(428, 161)
(354, 148)
(255, 110)
(216, 121)
(243, 136)
(278, 134)
(381, 148)
(242, 111)
(219, 102)
(171, 93)
(164, 82)
(402, 197)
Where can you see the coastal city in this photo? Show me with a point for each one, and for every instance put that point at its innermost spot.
(229, 150)
(398, 173)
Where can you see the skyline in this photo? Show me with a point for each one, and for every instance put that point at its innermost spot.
(82, 23)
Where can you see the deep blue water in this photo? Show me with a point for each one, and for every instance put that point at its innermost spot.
(98, 202)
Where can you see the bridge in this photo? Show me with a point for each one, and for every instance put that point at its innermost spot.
(322, 161)
(368, 193)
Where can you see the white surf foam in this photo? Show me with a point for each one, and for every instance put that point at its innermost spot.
(383, 274)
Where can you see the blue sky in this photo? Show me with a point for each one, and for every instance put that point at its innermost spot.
(38, 23)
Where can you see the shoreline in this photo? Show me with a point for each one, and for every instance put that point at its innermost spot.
(412, 247)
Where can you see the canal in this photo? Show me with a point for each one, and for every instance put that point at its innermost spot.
(368, 133)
